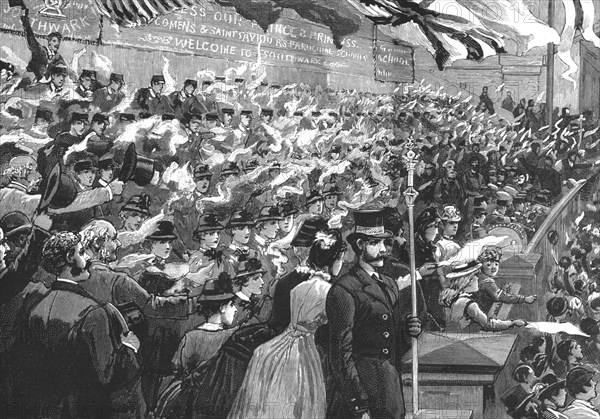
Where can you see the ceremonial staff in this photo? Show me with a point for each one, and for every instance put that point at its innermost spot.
(411, 158)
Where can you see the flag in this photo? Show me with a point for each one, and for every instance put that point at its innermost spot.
(132, 13)
(448, 37)
(460, 29)
(579, 15)
(448, 29)
(512, 19)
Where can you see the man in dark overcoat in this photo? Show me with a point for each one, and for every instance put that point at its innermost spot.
(75, 355)
(366, 332)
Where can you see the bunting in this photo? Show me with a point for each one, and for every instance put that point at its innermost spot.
(448, 29)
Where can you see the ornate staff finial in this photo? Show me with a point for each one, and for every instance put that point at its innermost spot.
(411, 158)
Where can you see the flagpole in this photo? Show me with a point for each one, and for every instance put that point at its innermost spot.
(410, 194)
(550, 72)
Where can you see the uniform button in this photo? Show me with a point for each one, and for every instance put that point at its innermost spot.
(385, 351)
(386, 335)
(384, 317)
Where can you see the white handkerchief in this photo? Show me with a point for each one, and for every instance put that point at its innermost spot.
(554, 328)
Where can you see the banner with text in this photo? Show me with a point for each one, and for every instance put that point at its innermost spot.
(394, 63)
(75, 20)
(218, 32)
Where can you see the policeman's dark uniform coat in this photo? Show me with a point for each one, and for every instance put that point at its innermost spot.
(365, 335)
(106, 98)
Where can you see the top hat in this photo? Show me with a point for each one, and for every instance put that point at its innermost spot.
(15, 222)
(202, 171)
(126, 117)
(240, 219)
(218, 289)
(59, 191)
(268, 213)
(157, 78)
(307, 233)
(369, 223)
(556, 306)
(138, 168)
(451, 214)
(208, 222)
(43, 113)
(331, 189)
(139, 204)
(229, 111)
(88, 73)
(118, 78)
(231, 169)
(313, 196)
(249, 267)
(165, 230)
(99, 117)
(191, 82)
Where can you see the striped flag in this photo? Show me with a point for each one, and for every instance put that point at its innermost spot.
(579, 15)
(132, 13)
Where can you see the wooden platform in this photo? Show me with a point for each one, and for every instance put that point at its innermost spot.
(457, 372)
(444, 414)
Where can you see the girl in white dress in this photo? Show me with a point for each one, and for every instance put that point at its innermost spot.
(285, 378)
